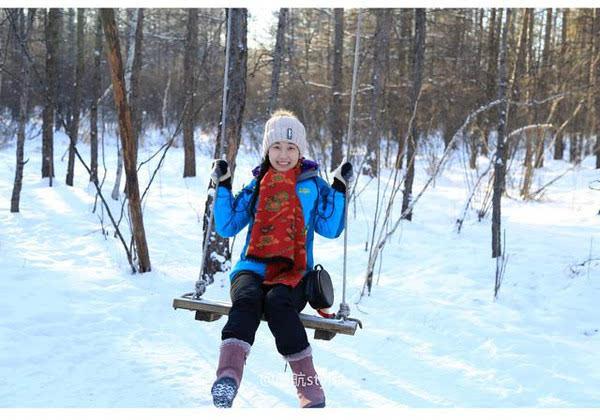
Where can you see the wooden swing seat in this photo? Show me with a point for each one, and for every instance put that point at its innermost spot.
(210, 310)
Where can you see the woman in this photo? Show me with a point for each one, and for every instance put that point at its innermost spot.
(284, 205)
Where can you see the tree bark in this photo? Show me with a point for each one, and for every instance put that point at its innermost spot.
(381, 47)
(96, 85)
(417, 78)
(73, 129)
(133, 65)
(190, 64)
(542, 86)
(218, 255)
(499, 159)
(336, 123)
(115, 61)
(53, 20)
(492, 68)
(594, 103)
(530, 136)
(404, 56)
(23, 25)
(136, 69)
(277, 60)
(559, 146)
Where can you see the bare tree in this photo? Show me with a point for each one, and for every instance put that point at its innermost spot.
(381, 43)
(22, 28)
(115, 61)
(499, 158)
(277, 59)
(218, 254)
(559, 147)
(53, 21)
(336, 122)
(542, 85)
(135, 88)
(595, 75)
(417, 79)
(190, 64)
(73, 125)
(96, 85)
(133, 66)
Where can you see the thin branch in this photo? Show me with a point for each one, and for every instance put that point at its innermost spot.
(99, 192)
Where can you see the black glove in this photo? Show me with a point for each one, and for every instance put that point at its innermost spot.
(343, 176)
(220, 173)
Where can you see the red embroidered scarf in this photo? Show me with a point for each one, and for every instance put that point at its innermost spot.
(278, 237)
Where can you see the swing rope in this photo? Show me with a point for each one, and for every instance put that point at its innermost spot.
(344, 311)
(202, 282)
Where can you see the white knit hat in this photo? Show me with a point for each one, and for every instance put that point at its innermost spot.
(284, 128)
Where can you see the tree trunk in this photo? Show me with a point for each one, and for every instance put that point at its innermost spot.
(492, 68)
(113, 52)
(190, 64)
(417, 78)
(381, 43)
(336, 123)
(116, 187)
(499, 159)
(96, 86)
(131, 77)
(24, 27)
(73, 129)
(596, 75)
(52, 23)
(543, 76)
(277, 59)
(594, 83)
(530, 136)
(136, 69)
(575, 148)
(404, 56)
(559, 146)
(218, 255)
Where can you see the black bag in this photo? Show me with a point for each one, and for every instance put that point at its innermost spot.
(318, 288)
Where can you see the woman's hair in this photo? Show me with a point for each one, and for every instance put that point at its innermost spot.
(264, 167)
(281, 112)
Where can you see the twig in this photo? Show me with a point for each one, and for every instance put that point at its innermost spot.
(542, 188)
(459, 222)
(501, 262)
(99, 192)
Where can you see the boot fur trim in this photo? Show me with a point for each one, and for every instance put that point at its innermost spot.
(299, 356)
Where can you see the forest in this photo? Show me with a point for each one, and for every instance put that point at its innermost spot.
(474, 134)
(520, 85)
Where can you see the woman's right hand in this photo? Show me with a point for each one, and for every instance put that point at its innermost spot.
(221, 175)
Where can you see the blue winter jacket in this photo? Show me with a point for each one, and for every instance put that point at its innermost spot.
(323, 209)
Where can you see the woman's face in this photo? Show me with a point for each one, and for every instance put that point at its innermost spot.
(283, 155)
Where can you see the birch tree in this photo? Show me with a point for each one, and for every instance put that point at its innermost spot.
(115, 61)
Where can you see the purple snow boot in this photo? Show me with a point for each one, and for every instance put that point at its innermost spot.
(308, 386)
(229, 372)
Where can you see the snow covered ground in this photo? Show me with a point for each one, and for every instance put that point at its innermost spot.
(78, 330)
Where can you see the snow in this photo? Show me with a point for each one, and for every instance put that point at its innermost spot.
(77, 329)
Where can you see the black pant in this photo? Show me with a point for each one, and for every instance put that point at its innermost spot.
(280, 304)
